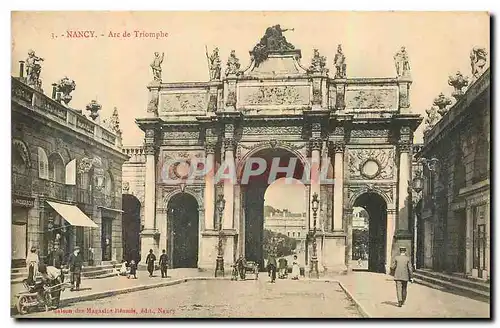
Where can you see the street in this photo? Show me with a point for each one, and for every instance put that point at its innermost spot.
(221, 298)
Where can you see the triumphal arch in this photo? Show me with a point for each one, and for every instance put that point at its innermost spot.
(359, 130)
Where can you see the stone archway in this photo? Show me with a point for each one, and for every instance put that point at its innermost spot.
(253, 190)
(376, 207)
(183, 230)
(131, 227)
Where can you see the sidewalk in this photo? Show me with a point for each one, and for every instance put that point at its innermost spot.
(376, 295)
(110, 285)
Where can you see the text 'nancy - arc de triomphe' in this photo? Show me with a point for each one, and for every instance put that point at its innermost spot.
(361, 128)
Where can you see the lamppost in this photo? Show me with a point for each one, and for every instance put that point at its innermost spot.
(313, 272)
(432, 165)
(219, 264)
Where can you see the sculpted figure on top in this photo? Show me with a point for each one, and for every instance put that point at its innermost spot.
(478, 59)
(214, 64)
(273, 40)
(33, 69)
(156, 66)
(233, 65)
(318, 63)
(340, 63)
(402, 63)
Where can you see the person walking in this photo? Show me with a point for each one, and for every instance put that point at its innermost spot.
(163, 264)
(241, 267)
(75, 264)
(295, 268)
(271, 267)
(133, 270)
(402, 268)
(150, 262)
(32, 262)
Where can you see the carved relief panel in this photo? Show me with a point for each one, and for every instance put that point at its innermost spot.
(371, 99)
(371, 164)
(273, 95)
(176, 166)
(178, 103)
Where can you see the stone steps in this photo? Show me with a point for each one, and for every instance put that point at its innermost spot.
(471, 288)
(92, 272)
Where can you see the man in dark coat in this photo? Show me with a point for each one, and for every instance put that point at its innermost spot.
(402, 268)
(163, 264)
(150, 262)
(241, 267)
(271, 267)
(75, 264)
(56, 258)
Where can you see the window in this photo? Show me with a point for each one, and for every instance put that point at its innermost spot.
(293, 234)
(57, 170)
(43, 164)
(298, 234)
(479, 237)
(481, 158)
(18, 164)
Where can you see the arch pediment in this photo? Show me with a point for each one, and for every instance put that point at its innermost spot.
(21, 147)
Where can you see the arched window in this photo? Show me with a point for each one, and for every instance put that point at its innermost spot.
(57, 170)
(18, 163)
(481, 158)
(43, 164)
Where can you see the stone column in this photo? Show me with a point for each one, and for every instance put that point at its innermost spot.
(315, 146)
(468, 241)
(147, 234)
(404, 200)
(338, 188)
(348, 240)
(391, 228)
(228, 218)
(210, 186)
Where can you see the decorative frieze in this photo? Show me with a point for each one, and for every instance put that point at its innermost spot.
(274, 95)
(183, 102)
(371, 163)
(272, 130)
(84, 124)
(180, 135)
(371, 99)
(315, 144)
(210, 147)
(370, 133)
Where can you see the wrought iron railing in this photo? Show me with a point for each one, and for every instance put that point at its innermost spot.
(54, 190)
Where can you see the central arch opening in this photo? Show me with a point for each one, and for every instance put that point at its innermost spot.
(131, 227)
(287, 194)
(183, 230)
(376, 237)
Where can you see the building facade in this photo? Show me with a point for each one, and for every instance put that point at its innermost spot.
(289, 224)
(66, 173)
(359, 130)
(456, 191)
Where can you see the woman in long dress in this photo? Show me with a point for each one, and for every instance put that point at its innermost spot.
(32, 262)
(295, 268)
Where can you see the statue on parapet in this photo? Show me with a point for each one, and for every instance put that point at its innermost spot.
(318, 63)
(33, 69)
(478, 59)
(402, 63)
(156, 66)
(273, 40)
(340, 63)
(214, 64)
(233, 65)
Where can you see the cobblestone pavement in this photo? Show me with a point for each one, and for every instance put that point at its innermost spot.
(376, 293)
(219, 298)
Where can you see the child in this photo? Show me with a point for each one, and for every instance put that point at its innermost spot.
(133, 270)
(123, 269)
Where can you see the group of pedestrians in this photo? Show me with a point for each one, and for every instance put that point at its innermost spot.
(282, 266)
(55, 263)
(163, 263)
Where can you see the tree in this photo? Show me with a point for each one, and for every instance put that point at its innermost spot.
(360, 240)
(278, 244)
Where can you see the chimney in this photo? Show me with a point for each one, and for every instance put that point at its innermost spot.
(58, 97)
(21, 68)
(54, 91)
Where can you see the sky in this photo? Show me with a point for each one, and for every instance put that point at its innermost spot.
(115, 71)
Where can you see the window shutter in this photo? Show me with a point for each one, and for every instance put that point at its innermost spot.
(71, 173)
(43, 164)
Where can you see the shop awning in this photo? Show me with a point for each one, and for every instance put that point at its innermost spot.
(73, 215)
